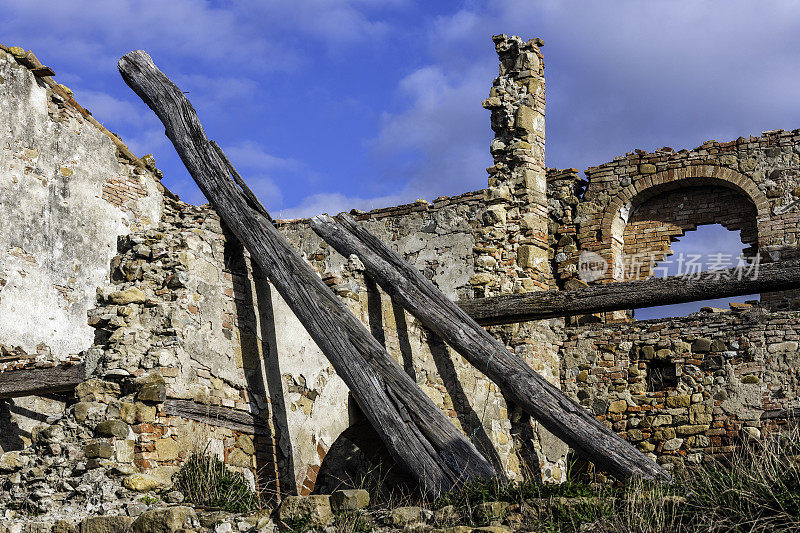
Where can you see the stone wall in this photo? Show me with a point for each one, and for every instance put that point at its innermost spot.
(188, 347)
(690, 388)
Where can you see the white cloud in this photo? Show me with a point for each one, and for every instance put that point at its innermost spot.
(619, 76)
(250, 155)
(445, 126)
(334, 203)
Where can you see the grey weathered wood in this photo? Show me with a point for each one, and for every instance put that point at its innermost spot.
(771, 277)
(518, 381)
(35, 381)
(418, 435)
(216, 415)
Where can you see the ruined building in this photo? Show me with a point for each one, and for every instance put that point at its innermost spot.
(134, 328)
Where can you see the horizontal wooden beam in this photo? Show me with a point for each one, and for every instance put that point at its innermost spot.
(38, 381)
(216, 415)
(505, 309)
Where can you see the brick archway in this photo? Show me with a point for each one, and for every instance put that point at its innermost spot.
(645, 188)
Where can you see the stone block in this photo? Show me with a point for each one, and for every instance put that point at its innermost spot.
(128, 296)
(123, 450)
(701, 345)
(137, 413)
(103, 450)
(530, 256)
(490, 511)
(314, 510)
(681, 400)
(166, 520)
(647, 168)
(717, 346)
(106, 524)
(141, 482)
(239, 458)
(525, 119)
(409, 516)
(349, 500)
(153, 388)
(618, 406)
(167, 449)
(112, 428)
(700, 413)
(12, 461)
(647, 352)
(691, 429)
(482, 278)
(96, 390)
(495, 214)
(663, 354)
(245, 442)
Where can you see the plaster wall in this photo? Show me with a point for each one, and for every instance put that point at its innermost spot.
(60, 234)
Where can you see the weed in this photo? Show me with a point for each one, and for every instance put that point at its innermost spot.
(149, 499)
(205, 480)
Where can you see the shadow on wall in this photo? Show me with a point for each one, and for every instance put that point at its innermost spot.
(19, 418)
(256, 323)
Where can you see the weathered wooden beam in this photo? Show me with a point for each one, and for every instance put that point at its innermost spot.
(517, 380)
(35, 381)
(508, 308)
(419, 436)
(216, 415)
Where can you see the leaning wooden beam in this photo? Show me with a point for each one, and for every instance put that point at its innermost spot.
(419, 436)
(518, 381)
(35, 381)
(768, 277)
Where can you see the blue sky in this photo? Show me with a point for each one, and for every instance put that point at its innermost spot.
(325, 105)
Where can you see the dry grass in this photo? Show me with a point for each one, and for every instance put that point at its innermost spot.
(755, 490)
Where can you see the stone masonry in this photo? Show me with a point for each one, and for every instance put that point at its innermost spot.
(187, 347)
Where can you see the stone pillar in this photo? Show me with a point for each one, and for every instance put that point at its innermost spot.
(517, 193)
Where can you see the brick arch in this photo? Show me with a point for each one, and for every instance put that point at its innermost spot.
(648, 186)
(655, 224)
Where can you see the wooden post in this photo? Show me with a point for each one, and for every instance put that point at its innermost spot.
(418, 435)
(508, 308)
(519, 383)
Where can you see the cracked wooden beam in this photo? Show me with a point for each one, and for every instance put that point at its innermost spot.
(420, 437)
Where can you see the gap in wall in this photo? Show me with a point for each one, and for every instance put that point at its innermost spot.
(705, 241)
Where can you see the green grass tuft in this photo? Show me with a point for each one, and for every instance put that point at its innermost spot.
(206, 481)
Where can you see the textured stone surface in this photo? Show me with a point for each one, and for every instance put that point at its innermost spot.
(313, 510)
(141, 482)
(165, 520)
(349, 500)
(180, 313)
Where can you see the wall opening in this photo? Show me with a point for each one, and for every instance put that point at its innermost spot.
(709, 247)
(661, 376)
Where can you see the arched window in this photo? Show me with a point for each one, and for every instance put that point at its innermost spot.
(683, 232)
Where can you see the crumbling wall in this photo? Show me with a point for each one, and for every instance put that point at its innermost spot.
(441, 240)
(758, 176)
(67, 194)
(691, 388)
(188, 348)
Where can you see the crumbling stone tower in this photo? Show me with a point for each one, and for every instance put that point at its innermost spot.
(517, 193)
